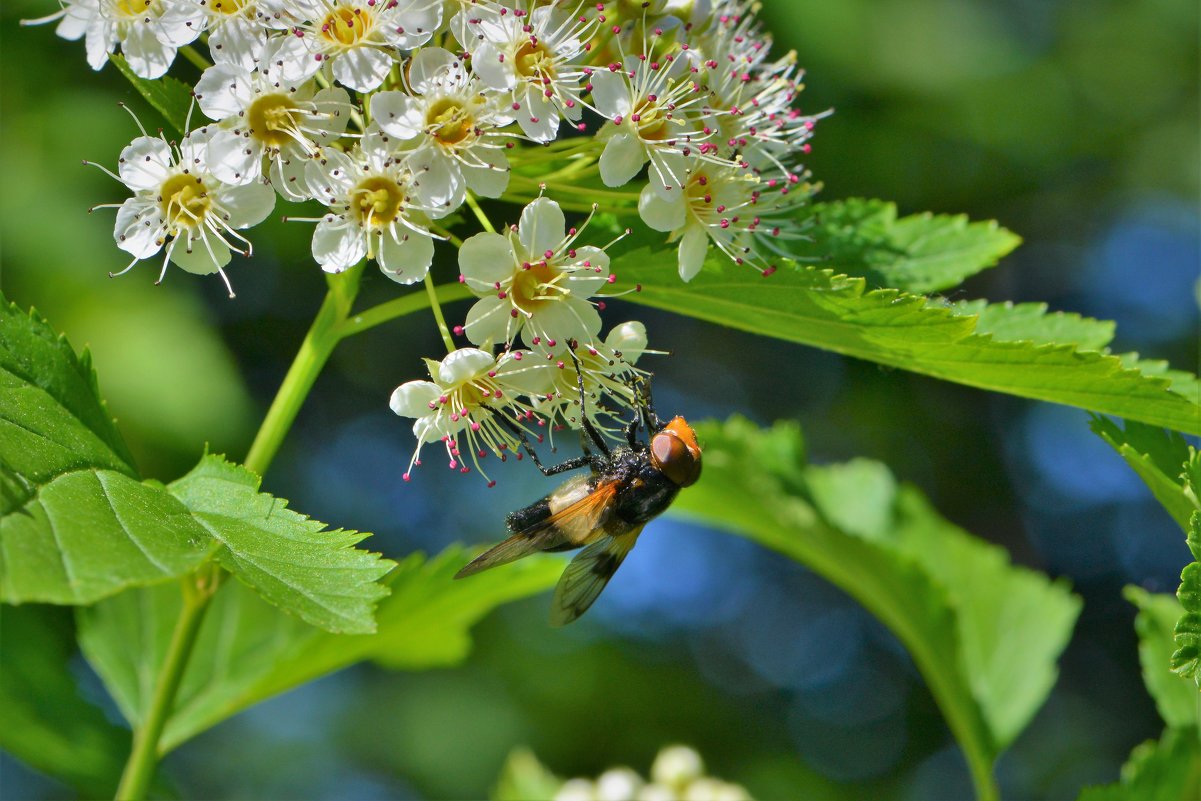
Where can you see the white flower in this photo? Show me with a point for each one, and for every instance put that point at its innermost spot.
(450, 113)
(263, 114)
(532, 56)
(149, 31)
(606, 368)
(375, 212)
(359, 39)
(471, 391)
(177, 198)
(533, 280)
(734, 208)
(653, 108)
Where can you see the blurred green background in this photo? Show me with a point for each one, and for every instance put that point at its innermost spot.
(1074, 124)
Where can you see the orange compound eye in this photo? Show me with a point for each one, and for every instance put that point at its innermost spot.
(677, 457)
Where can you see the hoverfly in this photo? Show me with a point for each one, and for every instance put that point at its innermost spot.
(602, 512)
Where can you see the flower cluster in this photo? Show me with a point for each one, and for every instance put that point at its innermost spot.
(676, 775)
(393, 118)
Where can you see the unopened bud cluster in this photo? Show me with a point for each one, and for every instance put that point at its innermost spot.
(392, 117)
(677, 775)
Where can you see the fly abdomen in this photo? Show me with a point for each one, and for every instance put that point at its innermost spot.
(528, 516)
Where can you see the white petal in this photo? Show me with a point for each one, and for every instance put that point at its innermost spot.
(611, 94)
(528, 375)
(485, 260)
(438, 181)
(538, 117)
(332, 176)
(570, 318)
(202, 255)
(147, 56)
(408, 260)
(223, 91)
(659, 213)
(628, 339)
(181, 22)
(145, 163)
(621, 159)
(420, 19)
(74, 23)
(287, 173)
(593, 272)
(430, 66)
(464, 364)
(334, 104)
(487, 62)
(362, 69)
(101, 40)
(233, 158)
(489, 181)
(489, 321)
(337, 247)
(542, 227)
(397, 114)
(245, 205)
(138, 228)
(237, 42)
(693, 246)
(413, 398)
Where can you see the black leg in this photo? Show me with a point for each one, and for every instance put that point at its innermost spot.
(585, 423)
(570, 464)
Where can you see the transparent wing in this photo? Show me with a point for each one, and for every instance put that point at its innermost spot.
(588, 574)
(571, 527)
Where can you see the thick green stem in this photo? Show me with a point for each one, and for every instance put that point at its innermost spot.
(193, 55)
(332, 324)
(474, 205)
(139, 770)
(314, 352)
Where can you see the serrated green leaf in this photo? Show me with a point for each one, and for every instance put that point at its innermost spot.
(247, 651)
(918, 253)
(43, 720)
(816, 307)
(1032, 321)
(169, 96)
(984, 634)
(1168, 770)
(289, 559)
(1157, 457)
(1186, 659)
(75, 523)
(1175, 697)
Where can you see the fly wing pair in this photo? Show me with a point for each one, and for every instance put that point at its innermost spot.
(587, 522)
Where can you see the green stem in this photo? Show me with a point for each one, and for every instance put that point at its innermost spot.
(377, 315)
(139, 770)
(479, 213)
(315, 350)
(436, 307)
(193, 55)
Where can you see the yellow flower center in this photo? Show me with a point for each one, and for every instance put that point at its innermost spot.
(650, 119)
(346, 26)
(229, 7)
(184, 201)
(270, 119)
(535, 287)
(377, 201)
(533, 60)
(449, 121)
(136, 9)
